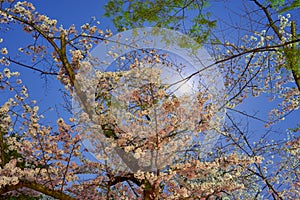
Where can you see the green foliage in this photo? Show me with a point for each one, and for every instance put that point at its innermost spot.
(171, 14)
(293, 58)
(282, 6)
(294, 5)
(200, 25)
(276, 3)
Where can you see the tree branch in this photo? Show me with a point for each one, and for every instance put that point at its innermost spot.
(36, 187)
(295, 64)
(255, 50)
(291, 58)
(127, 177)
(30, 67)
(271, 22)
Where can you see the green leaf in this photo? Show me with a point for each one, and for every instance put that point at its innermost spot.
(294, 5)
(171, 14)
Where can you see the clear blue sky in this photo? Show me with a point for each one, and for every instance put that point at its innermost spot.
(69, 12)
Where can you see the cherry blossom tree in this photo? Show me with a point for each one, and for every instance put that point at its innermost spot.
(49, 159)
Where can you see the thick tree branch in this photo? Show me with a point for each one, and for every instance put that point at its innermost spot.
(62, 52)
(294, 62)
(36, 187)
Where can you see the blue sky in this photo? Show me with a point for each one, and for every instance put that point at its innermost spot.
(47, 92)
(69, 12)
